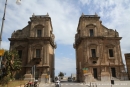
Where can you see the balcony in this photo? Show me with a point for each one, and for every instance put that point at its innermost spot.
(94, 58)
(36, 60)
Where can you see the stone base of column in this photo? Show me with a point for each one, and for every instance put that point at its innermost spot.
(105, 76)
(28, 77)
(43, 78)
(89, 77)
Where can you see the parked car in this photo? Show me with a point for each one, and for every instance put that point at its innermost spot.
(70, 79)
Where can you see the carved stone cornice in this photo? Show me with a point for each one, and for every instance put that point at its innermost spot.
(80, 39)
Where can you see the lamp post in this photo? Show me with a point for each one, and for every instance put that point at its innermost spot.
(1, 32)
(2, 23)
(18, 1)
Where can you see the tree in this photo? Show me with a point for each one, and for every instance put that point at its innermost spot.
(61, 74)
(10, 64)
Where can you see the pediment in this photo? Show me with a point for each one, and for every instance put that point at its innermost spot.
(110, 46)
(93, 45)
(91, 25)
(20, 47)
(37, 45)
(39, 26)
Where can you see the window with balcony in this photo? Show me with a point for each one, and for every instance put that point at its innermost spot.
(39, 33)
(91, 32)
(111, 54)
(93, 52)
(38, 53)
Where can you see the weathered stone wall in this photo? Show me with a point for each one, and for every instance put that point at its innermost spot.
(102, 40)
(27, 40)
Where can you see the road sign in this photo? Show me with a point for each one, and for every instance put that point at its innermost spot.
(85, 69)
(1, 52)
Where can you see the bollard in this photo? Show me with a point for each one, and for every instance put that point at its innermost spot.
(93, 84)
(96, 85)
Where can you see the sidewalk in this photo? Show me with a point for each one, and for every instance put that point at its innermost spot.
(98, 84)
(108, 84)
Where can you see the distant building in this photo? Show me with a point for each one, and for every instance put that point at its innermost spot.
(35, 45)
(127, 58)
(73, 76)
(97, 49)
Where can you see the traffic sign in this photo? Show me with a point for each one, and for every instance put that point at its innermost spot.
(85, 69)
(1, 52)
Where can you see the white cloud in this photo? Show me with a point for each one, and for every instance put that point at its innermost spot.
(5, 45)
(85, 2)
(64, 17)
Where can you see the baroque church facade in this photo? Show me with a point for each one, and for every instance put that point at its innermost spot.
(35, 44)
(97, 49)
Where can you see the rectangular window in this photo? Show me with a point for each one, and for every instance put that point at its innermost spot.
(111, 53)
(39, 33)
(93, 52)
(20, 53)
(38, 53)
(91, 32)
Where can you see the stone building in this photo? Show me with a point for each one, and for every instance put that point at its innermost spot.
(35, 45)
(127, 58)
(98, 50)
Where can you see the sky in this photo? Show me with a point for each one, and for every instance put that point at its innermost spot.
(65, 15)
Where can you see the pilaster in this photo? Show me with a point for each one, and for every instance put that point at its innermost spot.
(45, 58)
(29, 53)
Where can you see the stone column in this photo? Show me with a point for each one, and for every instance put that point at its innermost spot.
(34, 52)
(42, 56)
(47, 30)
(45, 54)
(29, 54)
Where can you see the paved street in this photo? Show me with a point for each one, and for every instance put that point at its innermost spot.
(93, 84)
(63, 84)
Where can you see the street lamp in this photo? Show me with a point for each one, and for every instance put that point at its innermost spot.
(1, 52)
(18, 2)
(2, 23)
(1, 32)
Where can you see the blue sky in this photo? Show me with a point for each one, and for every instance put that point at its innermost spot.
(65, 17)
